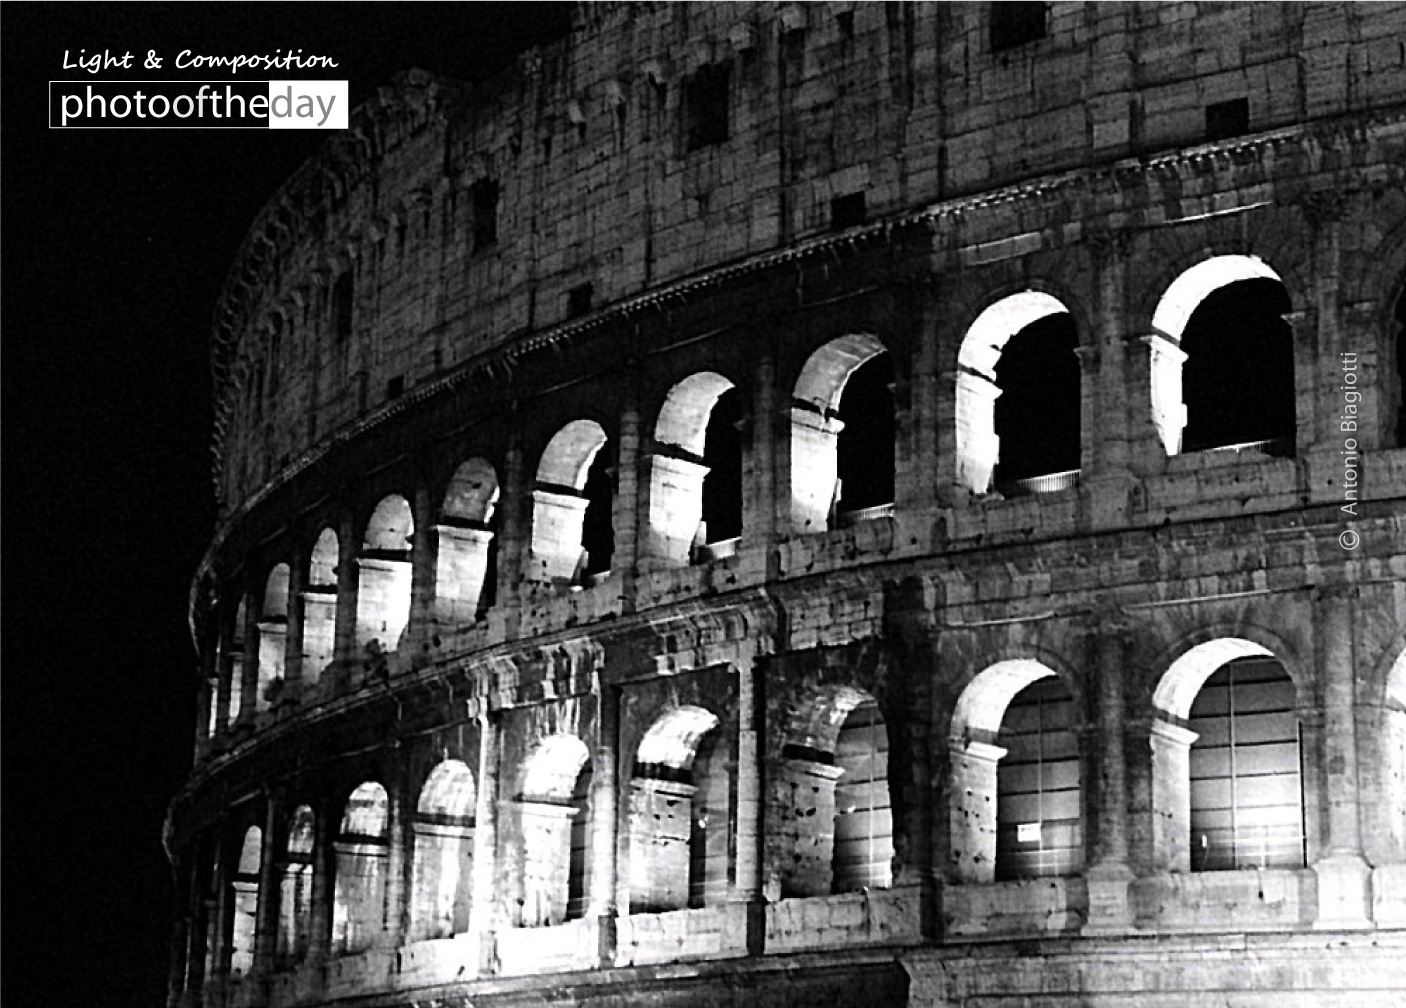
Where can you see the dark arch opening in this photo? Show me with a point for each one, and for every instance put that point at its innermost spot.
(1238, 379)
(722, 453)
(1037, 416)
(597, 526)
(864, 448)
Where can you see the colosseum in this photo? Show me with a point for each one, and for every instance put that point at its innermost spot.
(820, 504)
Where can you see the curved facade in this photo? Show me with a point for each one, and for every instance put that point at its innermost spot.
(820, 503)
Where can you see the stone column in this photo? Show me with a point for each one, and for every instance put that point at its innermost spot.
(1106, 396)
(249, 666)
(605, 820)
(344, 647)
(515, 509)
(916, 464)
(1109, 874)
(751, 828)
(765, 458)
(813, 469)
(424, 549)
(199, 910)
(397, 865)
(293, 653)
(1344, 894)
(973, 820)
(204, 701)
(271, 858)
(483, 907)
(976, 444)
(324, 867)
(461, 567)
(625, 517)
(222, 909)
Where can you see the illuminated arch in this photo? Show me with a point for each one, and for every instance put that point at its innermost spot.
(245, 898)
(838, 832)
(816, 427)
(553, 808)
(978, 443)
(273, 635)
(1016, 793)
(465, 566)
(320, 606)
(384, 574)
(1172, 341)
(563, 502)
(442, 858)
(680, 469)
(678, 815)
(363, 848)
(295, 898)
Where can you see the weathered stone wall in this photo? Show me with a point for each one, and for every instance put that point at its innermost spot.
(649, 755)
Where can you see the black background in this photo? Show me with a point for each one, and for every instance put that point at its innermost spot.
(115, 243)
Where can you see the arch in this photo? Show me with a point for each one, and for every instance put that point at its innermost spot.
(1195, 284)
(244, 886)
(979, 383)
(273, 636)
(320, 606)
(1396, 372)
(295, 899)
(384, 575)
(442, 858)
(466, 560)
(553, 808)
(472, 495)
(1215, 322)
(572, 504)
(678, 819)
(568, 455)
(1022, 818)
(816, 427)
(683, 419)
(689, 460)
(1184, 677)
(390, 526)
(276, 593)
(1227, 791)
(835, 819)
(362, 850)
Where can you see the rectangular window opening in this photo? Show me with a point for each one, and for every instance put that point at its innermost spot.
(578, 300)
(1228, 119)
(485, 207)
(1015, 24)
(342, 306)
(395, 387)
(847, 211)
(705, 106)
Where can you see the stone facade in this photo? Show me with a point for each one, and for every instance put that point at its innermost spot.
(498, 705)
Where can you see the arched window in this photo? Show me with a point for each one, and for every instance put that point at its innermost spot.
(695, 494)
(295, 902)
(1246, 788)
(553, 806)
(1020, 819)
(834, 823)
(1218, 322)
(443, 857)
(244, 891)
(1039, 824)
(864, 448)
(383, 587)
(1018, 397)
(273, 636)
(817, 431)
(572, 537)
(362, 848)
(320, 607)
(466, 564)
(1227, 788)
(678, 820)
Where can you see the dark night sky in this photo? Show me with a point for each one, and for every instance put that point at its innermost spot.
(115, 243)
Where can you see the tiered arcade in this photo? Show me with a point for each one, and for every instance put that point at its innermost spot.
(820, 503)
